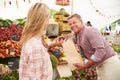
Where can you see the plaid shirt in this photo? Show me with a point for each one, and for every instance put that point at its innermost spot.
(92, 44)
(35, 62)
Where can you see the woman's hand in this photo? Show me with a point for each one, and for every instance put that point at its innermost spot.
(57, 42)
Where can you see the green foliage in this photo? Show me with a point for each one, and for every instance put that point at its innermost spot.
(20, 22)
(75, 73)
(54, 61)
(116, 48)
(113, 25)
(52, 12)
(118, 21)
(62, 12)
(8, 22)
(102, 29)
(81, 73)
(12, 76)
(5, 23)
(66, 78)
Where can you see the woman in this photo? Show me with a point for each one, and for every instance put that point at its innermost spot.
(35, 62)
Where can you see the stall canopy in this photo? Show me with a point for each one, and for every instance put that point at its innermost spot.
(99, 12)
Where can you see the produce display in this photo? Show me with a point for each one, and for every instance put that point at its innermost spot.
(8, 74)
(10, 33)
(9, 48)
(57, 51)
(6, 33)
(14, 75)
(88, 74)
(61, 18)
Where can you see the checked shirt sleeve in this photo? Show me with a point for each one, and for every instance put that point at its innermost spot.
(97, 42)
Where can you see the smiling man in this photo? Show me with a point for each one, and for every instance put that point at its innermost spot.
(96, 49)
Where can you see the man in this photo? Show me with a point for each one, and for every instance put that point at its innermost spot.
(96, 49)
(88, 24)
(117, 28)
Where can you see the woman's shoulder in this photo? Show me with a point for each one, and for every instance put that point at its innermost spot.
(33, 42)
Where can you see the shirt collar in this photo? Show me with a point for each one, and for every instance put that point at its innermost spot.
(81, 31)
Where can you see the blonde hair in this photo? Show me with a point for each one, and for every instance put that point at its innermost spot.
(36, 22)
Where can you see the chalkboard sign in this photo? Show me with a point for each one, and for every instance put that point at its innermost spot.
(15, 37)
(13, 63)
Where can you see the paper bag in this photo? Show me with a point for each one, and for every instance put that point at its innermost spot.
(64, 70)
(72, 55)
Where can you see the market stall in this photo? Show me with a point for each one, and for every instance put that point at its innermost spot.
(62, 58)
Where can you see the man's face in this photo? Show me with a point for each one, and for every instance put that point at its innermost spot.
(75, 24)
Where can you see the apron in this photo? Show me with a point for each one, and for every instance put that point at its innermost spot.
(109, 69)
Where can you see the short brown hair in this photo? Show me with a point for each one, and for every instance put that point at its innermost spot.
(75, 15)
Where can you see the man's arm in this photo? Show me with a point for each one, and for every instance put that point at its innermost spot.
(85, 66)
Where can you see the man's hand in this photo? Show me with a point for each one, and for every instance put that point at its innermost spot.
(85, 66)
(80, 66)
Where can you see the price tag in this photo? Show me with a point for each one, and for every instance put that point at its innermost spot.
(13, 63)
(12, 51)
(15, 37)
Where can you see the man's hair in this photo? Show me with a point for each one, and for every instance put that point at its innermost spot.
(75, 15)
